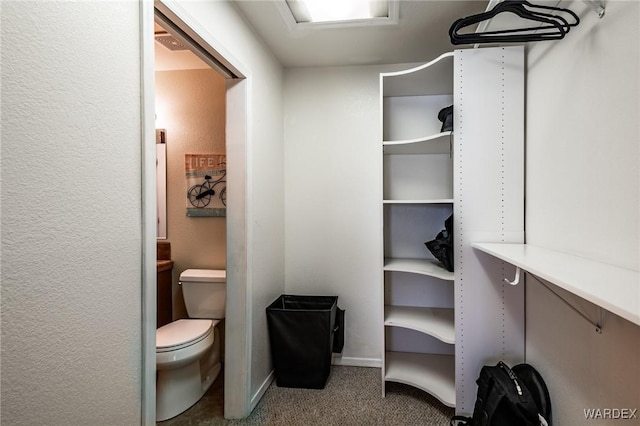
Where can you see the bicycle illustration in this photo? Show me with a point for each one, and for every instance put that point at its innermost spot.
(200, 195)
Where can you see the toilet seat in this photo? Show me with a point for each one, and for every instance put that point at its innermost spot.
(183, 333)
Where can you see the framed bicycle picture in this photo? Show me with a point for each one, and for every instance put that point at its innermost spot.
(206, 189)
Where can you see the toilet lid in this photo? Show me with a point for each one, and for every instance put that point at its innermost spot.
(182, 333)
(204, 275)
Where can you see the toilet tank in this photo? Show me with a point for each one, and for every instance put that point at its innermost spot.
(204, 292)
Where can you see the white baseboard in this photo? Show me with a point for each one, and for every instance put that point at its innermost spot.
(263, 388)
(356, 362)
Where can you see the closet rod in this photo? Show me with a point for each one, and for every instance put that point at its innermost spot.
(597, 6)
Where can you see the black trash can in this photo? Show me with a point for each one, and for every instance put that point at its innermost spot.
(302, 330)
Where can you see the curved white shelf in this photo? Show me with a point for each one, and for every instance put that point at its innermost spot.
(611, 287)
(431, 201)
(428, 267)
(434, 374)
(419, 67)
(434, 77)
(440, 143)
(436, 322)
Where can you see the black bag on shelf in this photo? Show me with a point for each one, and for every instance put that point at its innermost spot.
(446, 116)
(442, 246)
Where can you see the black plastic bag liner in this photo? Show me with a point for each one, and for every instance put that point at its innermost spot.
(441, 247)
(303, 331)
(446, 116)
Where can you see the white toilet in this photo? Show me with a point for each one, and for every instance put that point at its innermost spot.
(188, 350)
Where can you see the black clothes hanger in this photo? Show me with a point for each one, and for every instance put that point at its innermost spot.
(523, 3)
(543, 25)
(553, 29)
(528, 6)
(549, 26)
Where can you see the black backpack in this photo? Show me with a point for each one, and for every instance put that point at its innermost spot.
(509, 397)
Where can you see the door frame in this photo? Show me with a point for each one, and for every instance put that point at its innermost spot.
(237, 400)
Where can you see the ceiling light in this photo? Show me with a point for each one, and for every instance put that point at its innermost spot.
(309, 11)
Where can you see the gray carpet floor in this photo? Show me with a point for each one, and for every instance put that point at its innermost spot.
(352, 396)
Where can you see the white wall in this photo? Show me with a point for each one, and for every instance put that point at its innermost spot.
(71, 196)
(583, 162)
(333, 194)
(71, 215)
(220, 24)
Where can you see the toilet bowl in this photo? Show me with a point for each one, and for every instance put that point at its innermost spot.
(181, 342)
(188, 350)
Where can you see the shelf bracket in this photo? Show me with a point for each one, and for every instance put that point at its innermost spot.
(597, 325)
(516, 279)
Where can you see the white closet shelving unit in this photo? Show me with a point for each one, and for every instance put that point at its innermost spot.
(441, 327)
(418, 196)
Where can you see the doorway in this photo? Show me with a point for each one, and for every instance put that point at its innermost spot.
(181, 26)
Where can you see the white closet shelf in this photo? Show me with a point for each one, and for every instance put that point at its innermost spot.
(611, 287)
(436, 322)
(432, 144)
(434, 374)
(433, 78)
(425, 201)
(428, 267)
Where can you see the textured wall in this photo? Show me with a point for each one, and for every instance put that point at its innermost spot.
(191, 106)
(583, 164)
(71, 227)
(333, 169)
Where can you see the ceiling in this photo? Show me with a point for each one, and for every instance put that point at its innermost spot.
(422, 33)
(171, 60)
